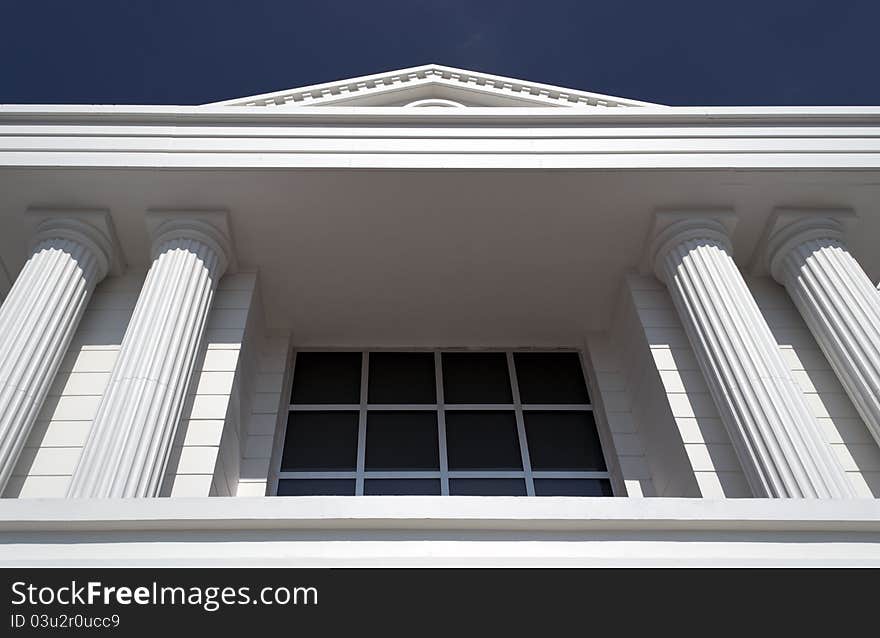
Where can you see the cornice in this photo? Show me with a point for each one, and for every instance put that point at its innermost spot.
(260, 138)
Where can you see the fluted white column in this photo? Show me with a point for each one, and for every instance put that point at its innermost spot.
(130, 441)
(38, 319)
(838, 302)
(777, 439)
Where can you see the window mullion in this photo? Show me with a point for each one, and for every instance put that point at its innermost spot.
(520, 427)
(362, 426)
(441, 426)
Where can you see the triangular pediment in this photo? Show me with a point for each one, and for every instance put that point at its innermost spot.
(433, 85)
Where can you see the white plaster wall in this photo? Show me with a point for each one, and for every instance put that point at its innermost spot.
(649, 412)
(267, 419)
(205, 457)
(688, 449)
(842, 426)
(626, 457)
(610, 440)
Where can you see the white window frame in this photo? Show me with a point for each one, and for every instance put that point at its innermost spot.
(360, 474)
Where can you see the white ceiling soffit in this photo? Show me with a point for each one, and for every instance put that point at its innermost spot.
(432, 85)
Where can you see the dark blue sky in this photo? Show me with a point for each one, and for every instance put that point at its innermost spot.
(707, 52)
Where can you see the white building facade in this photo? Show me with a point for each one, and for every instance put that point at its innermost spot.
(437, 317)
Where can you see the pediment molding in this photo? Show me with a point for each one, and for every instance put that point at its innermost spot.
(433, 82)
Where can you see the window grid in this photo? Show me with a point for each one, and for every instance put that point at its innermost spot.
(440, 408)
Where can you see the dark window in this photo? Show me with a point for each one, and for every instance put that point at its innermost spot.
(320, 441)
(563, 441)
(573, 487)
(402, 441)
(482, 440)
(327, 377)
(316, 487)
(487, 487)
(476, 377)
(402, 377)
(340, 440)
(401, 487)
(546, 378)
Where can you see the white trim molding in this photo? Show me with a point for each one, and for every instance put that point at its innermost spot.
(444, 138)
(349, 531)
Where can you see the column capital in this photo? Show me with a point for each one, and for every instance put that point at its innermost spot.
(92, 228)
(210, 227)
(673, 227)
(788, 228)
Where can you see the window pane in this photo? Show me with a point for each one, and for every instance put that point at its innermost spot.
(554, 377)
(402, 441)
(316, 487)
(573, 487)
(320, 441)
(402, 377)
(563, 441)
(327, 377)
(401, 487)
(476, 377)
(482, 441)
(487, 487)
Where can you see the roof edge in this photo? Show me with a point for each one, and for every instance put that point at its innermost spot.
(134, 114)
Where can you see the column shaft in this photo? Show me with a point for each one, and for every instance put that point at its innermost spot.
(128, 448)
(777, 439)
(839, 304)
(37, 322)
